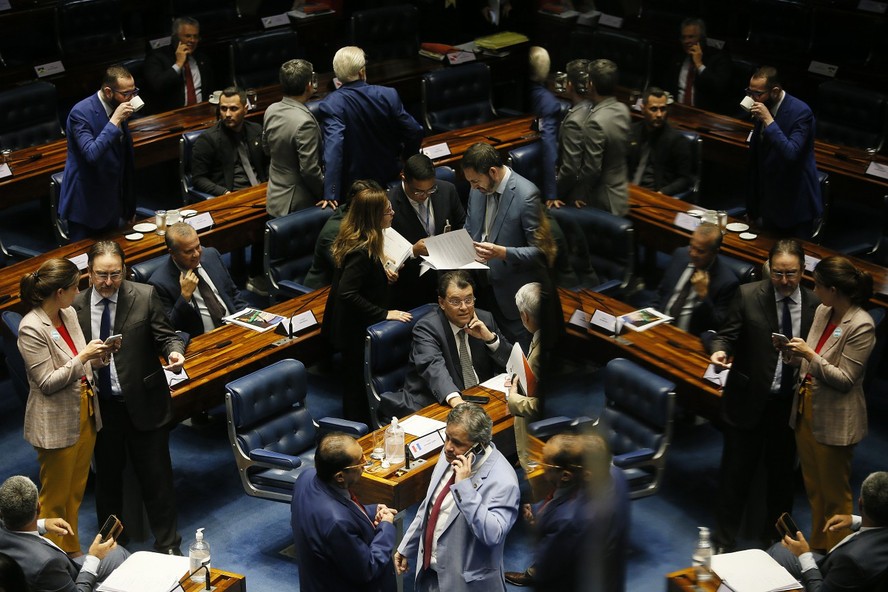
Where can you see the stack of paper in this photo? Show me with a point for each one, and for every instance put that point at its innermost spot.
(451, 250)
(144, 571)
(501, 40)
(254, 319)
(752, 570)
(395, 247)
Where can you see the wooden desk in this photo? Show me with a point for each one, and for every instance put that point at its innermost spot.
(685, 580)
(387, 486)
(239, 219)
(221, 581)
(502, 134)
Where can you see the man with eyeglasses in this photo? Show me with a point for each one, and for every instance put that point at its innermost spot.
(341, 544)
(424, 206)
(97, 193)
(179, 75)
(194, 284)
(699, 74)
(758, 394)
(454, 348)
(292, 139)
(784, 192)
(135, 397)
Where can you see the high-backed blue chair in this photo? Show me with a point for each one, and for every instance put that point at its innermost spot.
(387, 32)
(29, 115)
(696, 145)
(527, 161)
(190, 194)
(386, 354)
(256, 59)
(458, 97)
(89, 25)
(59, 224)
(142, 271)
(272, 433)
(289, 248)
(14, 362)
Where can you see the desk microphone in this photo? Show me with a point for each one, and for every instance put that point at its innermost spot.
(219, 345)
(314, 297)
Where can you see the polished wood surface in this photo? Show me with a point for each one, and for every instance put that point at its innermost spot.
(685, 580)
(238, 219)
(221, 581)
(503, 134)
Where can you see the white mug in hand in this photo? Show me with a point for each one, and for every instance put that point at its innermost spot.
(747, 103)
(137, 103)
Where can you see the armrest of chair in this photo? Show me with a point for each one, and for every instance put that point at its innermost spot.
(549, 426)
(144, 212)
(293, 288)
(505, 112)
(275, 459)
(606, 287)
(195, 196)
(634, 457)
(335, 424)
(21, 252)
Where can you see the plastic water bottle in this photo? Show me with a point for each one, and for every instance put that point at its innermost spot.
(703, 556)
(394, 443)
(198, 555)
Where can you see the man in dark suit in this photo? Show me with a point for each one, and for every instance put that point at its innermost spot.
(454, 348)
(366, 129)
(659, 157)
(758, 393)
(697, 287)
(340, 543)
(228, 156)
(194, 284)
(859, 562)
(424, 207)
(548, 111)
(784, 192)
(136, 404)
(503, 217)
(46, 566)
(97, 193)
(701, 74)
(178, 75)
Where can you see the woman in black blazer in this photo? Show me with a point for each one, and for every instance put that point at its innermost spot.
(360, 292)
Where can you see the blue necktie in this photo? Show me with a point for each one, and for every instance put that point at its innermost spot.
(105, 333)
(786, 377)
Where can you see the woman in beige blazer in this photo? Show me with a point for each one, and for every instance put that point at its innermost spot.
(829, 410)
(62, 416)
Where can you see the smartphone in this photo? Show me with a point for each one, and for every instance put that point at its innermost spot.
(113, 338)
(477, 399)
(786, 526)
(780, 338)
(111, 529)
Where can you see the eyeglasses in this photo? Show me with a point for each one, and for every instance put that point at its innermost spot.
(359, 466)
(557, 467)
(427, 193)
(755, 93)
(790, 275)
(127, 93)
(456, 302)
(105, 276)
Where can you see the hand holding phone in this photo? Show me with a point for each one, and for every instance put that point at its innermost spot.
(111, 529)
(114, 340)
(786, 526)
(779, 340)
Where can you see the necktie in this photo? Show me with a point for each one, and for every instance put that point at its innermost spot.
(681, 299)
(190, 94)
(105, 333)
(786, 375)
(424, 218)
(689, 84)
(490, 216)
(468, 372)
(214, 307)
(354, 498)
(429, 533)
(245, 162)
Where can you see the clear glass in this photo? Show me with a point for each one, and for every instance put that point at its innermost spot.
(160, 217)
(172, 217)
(252, 99)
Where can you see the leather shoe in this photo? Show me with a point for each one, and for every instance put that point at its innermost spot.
(171, 551)
(519, 578)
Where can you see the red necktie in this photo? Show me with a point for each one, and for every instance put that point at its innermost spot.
(689, 84)
(190, 95)
(354, 498)
(433, 521)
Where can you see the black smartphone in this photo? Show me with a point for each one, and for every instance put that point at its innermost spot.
(786, 526)
(111, 529)
(477, 399)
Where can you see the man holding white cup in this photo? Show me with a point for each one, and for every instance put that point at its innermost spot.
(784, 192)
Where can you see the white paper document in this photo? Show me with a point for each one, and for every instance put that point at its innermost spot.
(257, 320)
(451, 250)
(417, 425)
(497, 383)
(519, 366)
(877, 170)
(395, 247)
(717, 375)
(752, 570)
(144, 571)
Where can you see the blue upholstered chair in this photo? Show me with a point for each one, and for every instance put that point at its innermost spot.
(386, 353)
(190, 194)
(458, 97)
(89, 25)
(29, 115)
(289, 248)
(141, 272)
(256, 59)
(59, 225)
(14, 362)
(696, 144)
(387, 32)
(272, 433)
(527, 161)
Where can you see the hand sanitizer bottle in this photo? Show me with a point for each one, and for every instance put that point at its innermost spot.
(198, 555)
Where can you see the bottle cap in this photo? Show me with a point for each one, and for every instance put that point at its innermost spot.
(198, 535)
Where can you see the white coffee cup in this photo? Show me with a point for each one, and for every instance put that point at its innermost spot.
(137, 103)
(747, 103)
(214, 98)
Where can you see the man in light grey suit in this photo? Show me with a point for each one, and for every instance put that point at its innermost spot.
(48, 568)
(503, 216)
(292, 139)
(460, 527)
(572, 138)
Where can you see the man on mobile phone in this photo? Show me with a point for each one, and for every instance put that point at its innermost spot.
(179, 75)
(46, 566)
(460, 527)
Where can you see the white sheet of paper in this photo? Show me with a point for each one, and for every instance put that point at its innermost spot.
(752, 570)
(5, 171)
(200, 221)
(173, 379)
(717, 375)
(396, 247)
(437, 150)
(515, 365)
(811, 262)
(580, 318)
(417, 425)
(144, 571)
(452, 250)
(686, 221)
(605, 320)
(877, 170)
(81, 261)
(497, 383)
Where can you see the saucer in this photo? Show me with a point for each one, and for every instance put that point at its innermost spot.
(696, 213)
(748, 236)
(737, 227)
(145, 227)
(134, 236)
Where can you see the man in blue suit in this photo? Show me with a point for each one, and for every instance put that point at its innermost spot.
(96, 194)
(194, 284)
(366, 129)
(547, 109)
(341, 545)
(460, 527)
(503, 216)
(785, 193)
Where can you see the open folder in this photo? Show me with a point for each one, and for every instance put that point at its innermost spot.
(451, 250)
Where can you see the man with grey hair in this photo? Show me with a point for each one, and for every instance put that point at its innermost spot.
(547, 109)
(366, 129)
(700, 74)
(178, 75)
(859, 562)
(48, 568)
(291, 137)
(527, 408)
(460, 527)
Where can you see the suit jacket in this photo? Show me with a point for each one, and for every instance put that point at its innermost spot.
(785, 191)
(166, 87)
(670, 157)
(366, 131)
(604, 171)
(746, 334)
(292, 139)
(215, 153)
(412, 289)
(52, 415)
(337, 547)
(526, 409)
(855, 566)
(97, 187)
(184, 316)
(46, 567)
(547, 109)
(710, 312)
(322, 268)
(572, 153)
(517, 218)
(470, 549)
(712, 86)
(839, 412)
(147, 334)
(357, 299)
